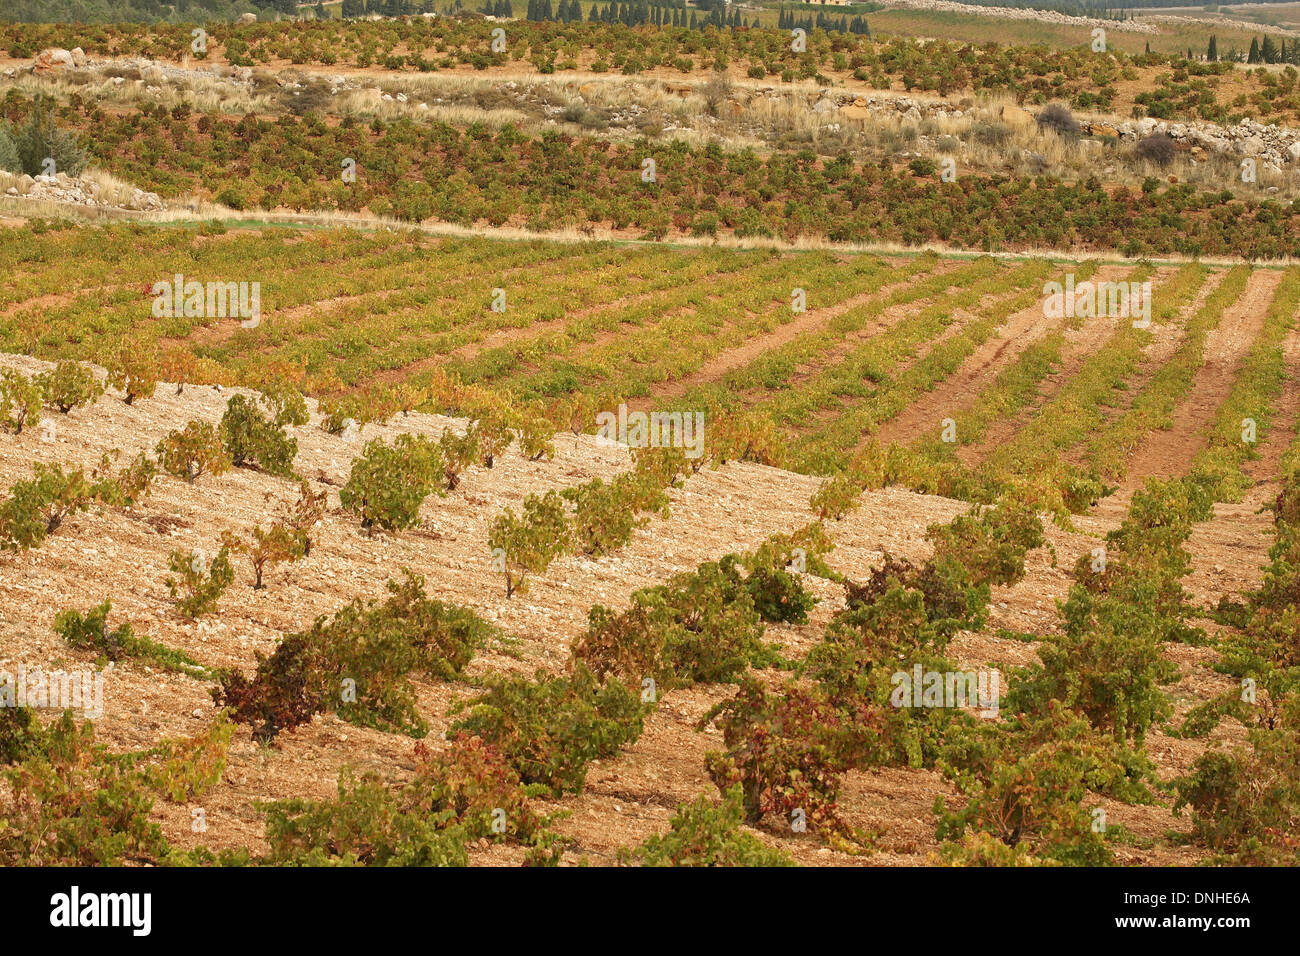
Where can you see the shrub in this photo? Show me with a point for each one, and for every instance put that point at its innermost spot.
(536, 438)
(550, 728)
(991, 543)
(977, 848)
(9, 159)
(339, 413)
(773, 582)
(388, 483)
(356, 664)
(304, 515)
(200, 585)
(837, 496)
(699, 627)
(89, 632)
(73, 804)
(185, 769)
(249, 438)
(458, 453)
(1057, 117)
(445, 636)
(782, 752)
(949, 599)
(474, 785)
(527, 544)
(466, 793)
(20, 400)
(134, 370)
(1246, 802)
(194, 450)
(494, 436)
(69, 385)
(706, 833)
(1108, 665)
(1026, 784)
(991, 134)
(37, 507)
(39, 139)
(268, 548)
(136, 479)
(1157, 148)
(21, 734)
(366, 825)
(1146, 560)
(605, 515)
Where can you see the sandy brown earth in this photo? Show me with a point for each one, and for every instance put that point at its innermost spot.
(122, 554)
(1170, 451)
(962, 389)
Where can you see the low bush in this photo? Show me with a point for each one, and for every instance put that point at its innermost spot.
(550, 728)
(20, 400)
(783, 752)
(193, 451)
(69, 385)
(38, 506)
(90, 632)
(71, 803)
(698, 627)
(706, 833)
(528, 543)
(200, 584)
(252, 438)
(389, 483)
(1027, 782)
(357, 664)
(467, 793)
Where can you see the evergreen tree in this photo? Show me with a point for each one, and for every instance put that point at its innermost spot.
(1212, 52)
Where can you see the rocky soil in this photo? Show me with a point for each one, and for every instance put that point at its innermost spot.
(122, 554)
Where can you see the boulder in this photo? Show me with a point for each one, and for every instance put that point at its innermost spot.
(78, 57)
(1250, 146)
(53, 60)
(247, 18)
(1293, 152)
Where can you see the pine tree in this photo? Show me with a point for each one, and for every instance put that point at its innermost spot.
(1253, 55)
